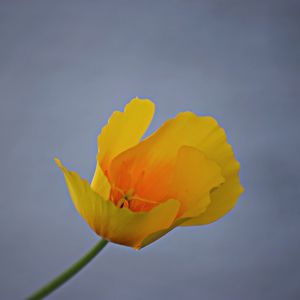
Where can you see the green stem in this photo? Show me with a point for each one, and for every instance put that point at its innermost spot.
(69, 273)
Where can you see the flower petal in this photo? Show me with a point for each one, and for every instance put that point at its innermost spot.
(194, 177)
(189, 179)
(100, 183)
(159, 152)
(223, 200)
(119, 225)
(124, 130)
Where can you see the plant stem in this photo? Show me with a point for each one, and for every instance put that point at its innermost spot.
(69, 273)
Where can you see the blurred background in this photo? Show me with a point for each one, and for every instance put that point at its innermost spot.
(65, 66)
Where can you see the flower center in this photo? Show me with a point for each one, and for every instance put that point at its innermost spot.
(126, 199)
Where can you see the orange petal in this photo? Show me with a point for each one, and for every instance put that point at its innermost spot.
(150, 164)
(189, 179)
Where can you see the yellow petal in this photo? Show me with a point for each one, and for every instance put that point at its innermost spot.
(100, 183)
(119, 225)
(195, 176)
(159, 151)
(223, 200)
(124, 130)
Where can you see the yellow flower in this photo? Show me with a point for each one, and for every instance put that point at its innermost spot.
(184, 174)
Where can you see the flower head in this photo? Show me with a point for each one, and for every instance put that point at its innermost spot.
(184, 174)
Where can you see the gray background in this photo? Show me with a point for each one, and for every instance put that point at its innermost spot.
(66, 65)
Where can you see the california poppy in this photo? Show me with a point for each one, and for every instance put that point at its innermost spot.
(184, 174)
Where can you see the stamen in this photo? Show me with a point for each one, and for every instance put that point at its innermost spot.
(128, 196)
(143, 200)
(118, 190)
(121, 202)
